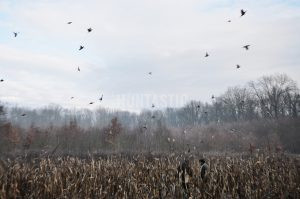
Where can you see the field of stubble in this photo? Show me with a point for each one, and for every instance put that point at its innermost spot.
(233, 176)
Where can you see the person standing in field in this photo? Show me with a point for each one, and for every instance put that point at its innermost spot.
(185, 172)
(203, 169)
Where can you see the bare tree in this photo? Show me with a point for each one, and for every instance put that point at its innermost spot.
(238, 104)
(271, 92)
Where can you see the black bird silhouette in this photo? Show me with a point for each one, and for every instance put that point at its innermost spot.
(206, 54)
(72, 97)
(233, 130)
(238, 66)
(229, 21)
(205, 112)
(145, 127)
(243, 12)
(78, 69)
(212, 97)
(101, 98)
(153, 106)
(16, 34)
(89, 29)
(69, 22)
(246, 47)
(153, 116)
(198, 106)
(1, 80)
(91, 103)
(23, 115)
(81, 47)
(150, 73)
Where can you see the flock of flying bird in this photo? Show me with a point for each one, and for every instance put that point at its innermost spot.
(81, 47)
(246, 47)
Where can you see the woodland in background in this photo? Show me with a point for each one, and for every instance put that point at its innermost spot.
(263, 114)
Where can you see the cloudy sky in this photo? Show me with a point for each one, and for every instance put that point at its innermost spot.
(133, 37)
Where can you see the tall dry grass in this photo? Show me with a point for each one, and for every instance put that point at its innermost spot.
(234, 176)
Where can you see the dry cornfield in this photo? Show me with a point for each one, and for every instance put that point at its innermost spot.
(140, 176)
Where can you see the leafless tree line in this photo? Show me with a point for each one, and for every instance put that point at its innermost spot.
(270, 97)
(263, 114)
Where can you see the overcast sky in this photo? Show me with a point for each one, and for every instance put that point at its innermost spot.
(130, 38)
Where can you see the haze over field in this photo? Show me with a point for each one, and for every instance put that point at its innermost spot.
(132, 38)
(149, 99)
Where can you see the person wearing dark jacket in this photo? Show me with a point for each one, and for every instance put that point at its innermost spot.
(185, 172)
(203, 169)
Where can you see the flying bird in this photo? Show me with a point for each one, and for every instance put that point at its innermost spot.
(145, 127)
(238, 66)
(16, 34)
(101, 98)
(78, 69)
(243, 12)
(246, 47)
(150, 73)
(206, 54)
(72, 97)
(233, 130)
(153, 116)
(1, 80)
(212, 97)
(23, 115)
(81, 47)
(69, 22)
(89, 29)
(153, 106)
(229, 21)
(91, 103)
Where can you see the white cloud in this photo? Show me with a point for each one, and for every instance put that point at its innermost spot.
(131, 38)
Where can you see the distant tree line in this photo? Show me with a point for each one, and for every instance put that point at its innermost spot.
(263, 113)
(270, 97)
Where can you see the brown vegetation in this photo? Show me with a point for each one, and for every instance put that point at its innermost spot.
(258, 176)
